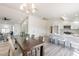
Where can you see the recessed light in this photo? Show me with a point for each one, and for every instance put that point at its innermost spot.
(76, 22)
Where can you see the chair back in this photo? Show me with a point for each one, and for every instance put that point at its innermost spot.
(12, 47)
(32, 36)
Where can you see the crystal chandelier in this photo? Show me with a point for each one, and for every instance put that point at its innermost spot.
(28, 8)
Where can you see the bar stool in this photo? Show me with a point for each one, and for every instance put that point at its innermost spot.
(52, 40)
(56, 41)
(62, 42)
(67, 44)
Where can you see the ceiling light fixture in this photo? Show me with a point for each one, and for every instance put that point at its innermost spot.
(28, 8)
(63, 18)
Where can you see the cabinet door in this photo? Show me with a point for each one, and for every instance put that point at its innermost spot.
(55, 29)
(74, 27)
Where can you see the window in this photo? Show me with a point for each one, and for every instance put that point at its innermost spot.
(5, 30)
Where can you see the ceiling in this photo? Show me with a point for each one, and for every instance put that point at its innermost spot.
(12, 12)
(48, 10)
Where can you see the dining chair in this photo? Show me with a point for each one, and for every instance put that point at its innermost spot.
(32, 36)
(14, 48)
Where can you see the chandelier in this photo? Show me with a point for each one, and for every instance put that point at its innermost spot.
(28, 8)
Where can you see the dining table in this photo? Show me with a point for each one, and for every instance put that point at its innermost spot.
(32, 44)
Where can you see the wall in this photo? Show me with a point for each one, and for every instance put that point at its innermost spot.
(24, 26)
(56, 22)
(9, 27)
(5, 28)
(37, 26)
(17, 29)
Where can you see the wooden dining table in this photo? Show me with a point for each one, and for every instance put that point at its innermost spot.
(30, 44)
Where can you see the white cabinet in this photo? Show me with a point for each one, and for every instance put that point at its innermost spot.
(74, 26)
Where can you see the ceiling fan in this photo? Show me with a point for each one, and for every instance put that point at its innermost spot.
(5, 18)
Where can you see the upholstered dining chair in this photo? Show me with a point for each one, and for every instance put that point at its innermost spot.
(32, 36)
(40, 38)
(14, 51)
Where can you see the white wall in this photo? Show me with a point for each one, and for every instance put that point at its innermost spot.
(9, 27)
(17, 29)
(24, 26)
(56, 22)
(37, 26)
(60, 23)
(5, 28)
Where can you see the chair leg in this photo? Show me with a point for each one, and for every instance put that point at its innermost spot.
(64, 43)
(58, 42)
(70, 45)
(9, 52)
